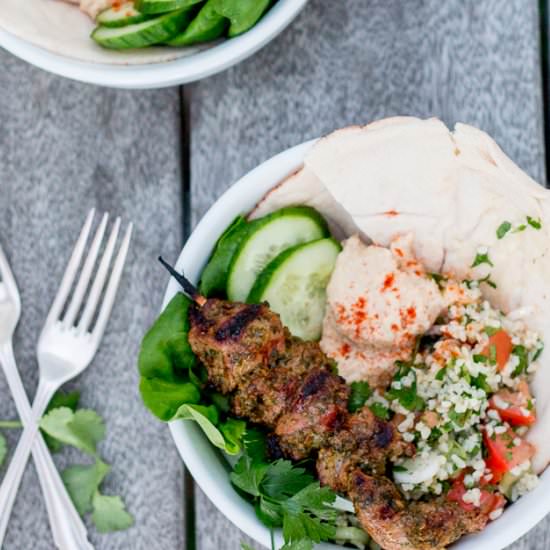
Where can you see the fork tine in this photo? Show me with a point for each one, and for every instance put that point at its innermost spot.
(7, 276)
(85, 275)
(112, 287)
(99, 281)
(70, 271)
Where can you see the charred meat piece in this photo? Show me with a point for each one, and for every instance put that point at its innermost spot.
(234, 340)
(397, 525)
(264, 397)
(365, 442)
(317, 411)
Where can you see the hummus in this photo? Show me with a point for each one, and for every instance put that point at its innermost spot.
(379, 301)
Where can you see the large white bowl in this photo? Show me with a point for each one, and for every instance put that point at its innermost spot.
(161, 74)
(208, 466)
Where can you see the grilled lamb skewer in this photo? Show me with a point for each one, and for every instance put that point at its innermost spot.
(289, 386)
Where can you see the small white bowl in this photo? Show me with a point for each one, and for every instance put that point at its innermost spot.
(208, 466)
(160, 74)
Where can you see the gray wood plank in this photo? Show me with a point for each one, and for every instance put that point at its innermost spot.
(351, 62)
(64, 148)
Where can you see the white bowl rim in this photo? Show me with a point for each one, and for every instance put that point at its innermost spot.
(207, 465)
(159, 75)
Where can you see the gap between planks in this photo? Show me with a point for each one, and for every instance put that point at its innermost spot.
(189, 535)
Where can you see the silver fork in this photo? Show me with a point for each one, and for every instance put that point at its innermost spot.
(58, 504)
(67, 342)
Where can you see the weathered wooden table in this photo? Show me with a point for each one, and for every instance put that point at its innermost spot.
(160, 158)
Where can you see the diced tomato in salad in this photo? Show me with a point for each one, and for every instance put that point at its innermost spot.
(519, 410)
(503, 455)
(502, 344)
(488, 502)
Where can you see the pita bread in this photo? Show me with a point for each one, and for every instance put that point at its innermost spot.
(452, 190)
(61, 28)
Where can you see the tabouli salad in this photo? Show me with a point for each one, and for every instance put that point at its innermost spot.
(465, 402)
(123, 24)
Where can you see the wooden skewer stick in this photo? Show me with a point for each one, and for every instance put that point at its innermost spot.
(187, 286)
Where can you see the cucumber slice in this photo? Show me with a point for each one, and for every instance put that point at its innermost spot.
(163, 6)
(143, 34)
(121, 15)
(214, 275)
(295, 283)
(268, 237)
(207, 25)
(243, 14)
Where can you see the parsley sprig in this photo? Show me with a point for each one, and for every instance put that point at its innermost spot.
(65, 424)
(285, 495)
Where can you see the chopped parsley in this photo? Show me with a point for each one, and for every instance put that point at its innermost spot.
(521, 353)
(538, 352)
(492, 354)
(380, 411)
(520, 228)
(480, 382)
(438, 279)
(487, 280)
(536, 224)
(441, 374)
(482, 258)
(503, 228)
(360, 392)
(406, 394)
(398, 468)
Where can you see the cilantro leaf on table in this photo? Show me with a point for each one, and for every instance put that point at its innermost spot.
(82, 429)
(110, 514)
(82, 482)
(3, 449)
(60, 399)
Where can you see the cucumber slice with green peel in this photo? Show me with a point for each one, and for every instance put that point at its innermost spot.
(163, 6)
(153, 31)
(243, 14)
(120, 16)
(267, 237)
(214, 275)
(294, 284)
(205, 27)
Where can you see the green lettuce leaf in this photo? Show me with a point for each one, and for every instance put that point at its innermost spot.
(165, 351)
(164, 398)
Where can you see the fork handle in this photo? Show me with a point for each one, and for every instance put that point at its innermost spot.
(69, 531)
